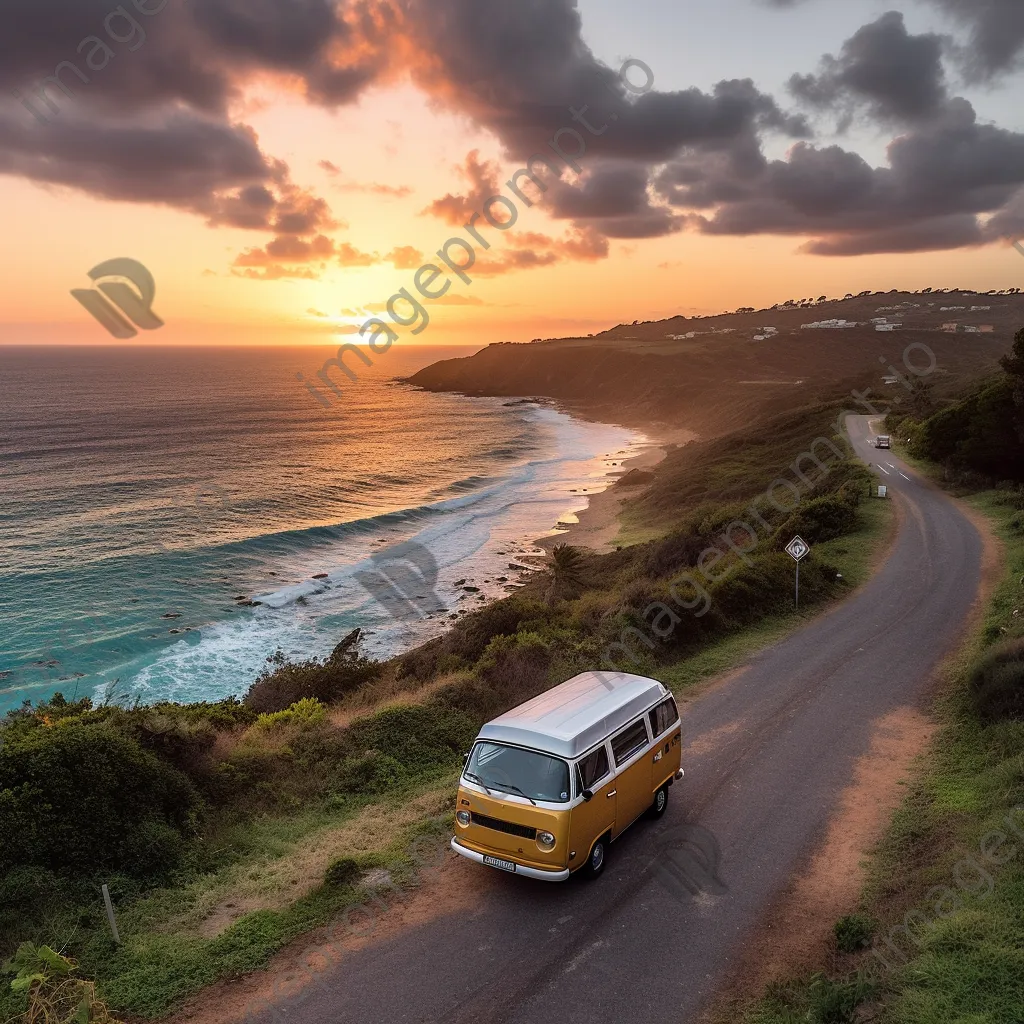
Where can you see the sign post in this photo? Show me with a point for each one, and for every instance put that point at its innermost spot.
(110, 914)
(798, 550)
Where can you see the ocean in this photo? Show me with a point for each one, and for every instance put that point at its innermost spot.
(149, 495)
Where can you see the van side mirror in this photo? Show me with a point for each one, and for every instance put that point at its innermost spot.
(465, 760)
(588, 795)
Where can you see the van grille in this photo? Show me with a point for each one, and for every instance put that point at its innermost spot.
(508, 827)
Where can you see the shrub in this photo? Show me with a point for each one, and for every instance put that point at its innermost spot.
(79, 797)
(283, 683)
(421, 738)
(819, 520)
(997, 683)
(303, 714)
(835, 1002)
(469, 638)
(515, 668)
(370, 772)
(53, 995)
(342, 873)
(764, 587)
(853, 932)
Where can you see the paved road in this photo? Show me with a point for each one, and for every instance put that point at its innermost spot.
(628, 947)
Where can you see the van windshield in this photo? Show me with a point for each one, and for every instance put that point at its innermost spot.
(521, 772)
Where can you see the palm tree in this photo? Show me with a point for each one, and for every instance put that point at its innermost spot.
(565, 572)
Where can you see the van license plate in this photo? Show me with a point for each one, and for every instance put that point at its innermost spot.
(502, 865)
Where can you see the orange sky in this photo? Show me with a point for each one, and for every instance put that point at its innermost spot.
(394, 137)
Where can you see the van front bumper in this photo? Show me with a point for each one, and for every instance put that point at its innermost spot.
(521, 869)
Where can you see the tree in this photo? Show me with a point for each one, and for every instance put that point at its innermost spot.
(1013, 364)
(565, 572)
(921, 402)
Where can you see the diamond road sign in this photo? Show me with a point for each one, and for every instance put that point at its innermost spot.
(798, 549)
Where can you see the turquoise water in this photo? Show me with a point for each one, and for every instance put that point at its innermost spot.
(143, 492)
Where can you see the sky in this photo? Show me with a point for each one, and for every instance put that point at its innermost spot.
(284, 168)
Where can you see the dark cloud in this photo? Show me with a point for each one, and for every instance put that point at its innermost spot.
(517, 69)
(941, 183)
(152, 124)
(131, 102)
(996, 34)
(899, 76)
(955, 232)
(995, 44)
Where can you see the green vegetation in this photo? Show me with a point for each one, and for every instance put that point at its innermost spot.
(977, 440)
(225, 830)
(53, 994)
(940, 935)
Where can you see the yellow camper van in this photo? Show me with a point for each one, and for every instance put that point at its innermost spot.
(548, 785)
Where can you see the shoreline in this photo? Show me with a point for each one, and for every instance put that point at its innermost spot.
(598, 525)
(594, 504)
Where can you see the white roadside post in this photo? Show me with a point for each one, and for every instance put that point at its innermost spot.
(798, 550)
(110, 914)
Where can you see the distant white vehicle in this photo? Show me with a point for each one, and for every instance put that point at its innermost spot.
(883, 441)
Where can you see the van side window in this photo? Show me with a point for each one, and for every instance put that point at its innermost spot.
(664, 716)
(629, 741)
(593, 768)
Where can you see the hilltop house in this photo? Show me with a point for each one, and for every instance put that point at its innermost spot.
(829, 325)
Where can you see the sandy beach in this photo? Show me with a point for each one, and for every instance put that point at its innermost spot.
(598, 524)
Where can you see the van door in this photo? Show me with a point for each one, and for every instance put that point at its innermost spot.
(667, 732)
(590, 819)
(630, 749)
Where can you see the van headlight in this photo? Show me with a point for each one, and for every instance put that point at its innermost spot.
(545, 840)
(463, 818)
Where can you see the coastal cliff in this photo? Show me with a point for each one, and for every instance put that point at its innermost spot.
(715, 374)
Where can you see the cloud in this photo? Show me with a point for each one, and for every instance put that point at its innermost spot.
(288, 255)
(276, 273)
(516, 69)
(285, 256)
(996, 35)
(157, 127)
(405, 257)
(451, 299)
(483, 177)
(941, 181)
(350, 256)
(900, 77)
(375, 188)
(154, 126)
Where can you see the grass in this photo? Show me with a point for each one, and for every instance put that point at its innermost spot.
(305, 809)
(854, 555)
(268, 884)
(948, 946)
(283, 877)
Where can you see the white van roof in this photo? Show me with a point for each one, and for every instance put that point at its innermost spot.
(570, 718)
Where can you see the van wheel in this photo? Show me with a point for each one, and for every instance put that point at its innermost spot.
(597, 859)
(660, 803)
